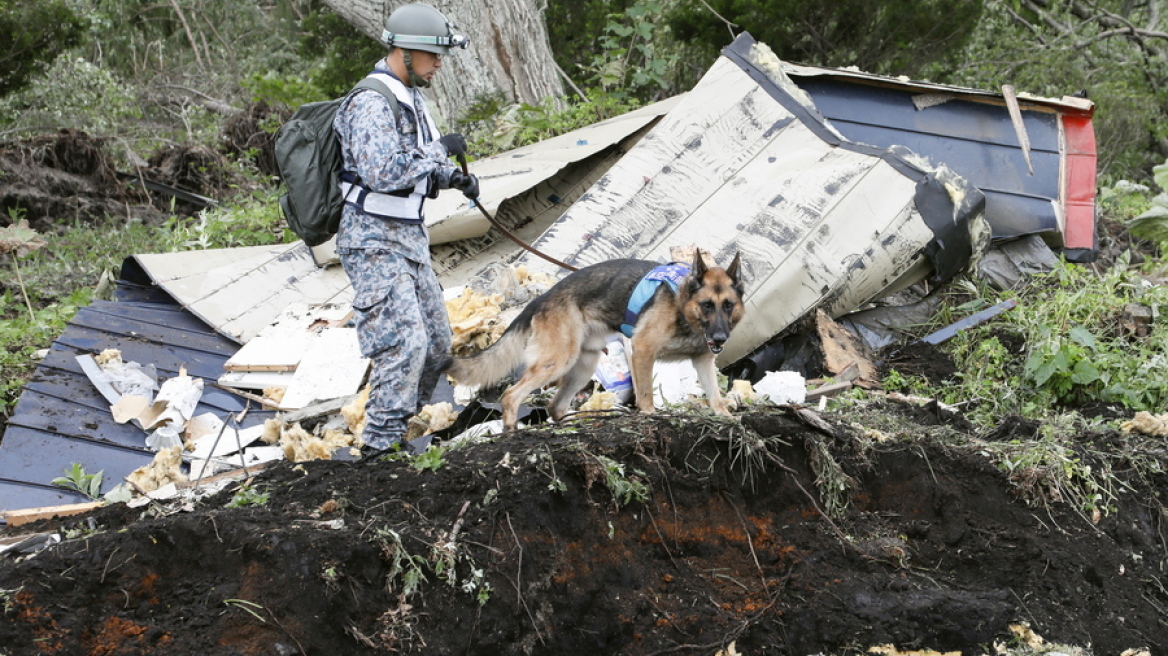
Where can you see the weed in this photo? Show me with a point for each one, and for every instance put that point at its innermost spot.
(545, 464)
(1153, 223)
(834, 484)
(19, 240)
(76, 479)
(410, 568)
(408, 571)
(1075, 351)
(246, 496)
(8, 598)
(624, 488)
(432, 459)
(248, 606)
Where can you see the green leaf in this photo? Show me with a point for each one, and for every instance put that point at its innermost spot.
(1085, 373)
(1082, 336)
(19, 238)
(1160, 173)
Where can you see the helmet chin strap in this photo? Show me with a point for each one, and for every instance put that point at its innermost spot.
(415, 79)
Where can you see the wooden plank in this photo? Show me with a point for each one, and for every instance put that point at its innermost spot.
(29, 515)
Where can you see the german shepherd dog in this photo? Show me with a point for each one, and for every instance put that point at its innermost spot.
(560, 335)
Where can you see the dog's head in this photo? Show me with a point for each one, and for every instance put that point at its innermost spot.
(713, 301)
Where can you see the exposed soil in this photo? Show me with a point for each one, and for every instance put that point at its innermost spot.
(781, 533)
(55, 181)
(931, 547)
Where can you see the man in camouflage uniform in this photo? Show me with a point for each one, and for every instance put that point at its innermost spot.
(391, 166)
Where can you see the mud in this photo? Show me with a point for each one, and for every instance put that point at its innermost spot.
(537, 543)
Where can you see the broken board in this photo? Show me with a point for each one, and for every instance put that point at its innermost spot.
(331, 368)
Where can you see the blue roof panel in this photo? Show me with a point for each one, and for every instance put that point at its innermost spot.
(61, 418)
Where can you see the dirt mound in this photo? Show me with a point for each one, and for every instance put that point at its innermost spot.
(781, 533)
(55, 181)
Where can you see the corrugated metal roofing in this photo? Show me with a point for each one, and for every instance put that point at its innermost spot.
(61, 418)
(745, 164)
(971, 131)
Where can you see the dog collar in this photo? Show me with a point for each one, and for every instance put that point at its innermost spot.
(669, 274)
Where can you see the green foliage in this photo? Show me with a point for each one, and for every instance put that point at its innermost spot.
(1076, 349)
(528, 124)
(624, 487)
(897, 37)
(345, 54)
(246, 496)
(289, 90)
(406, 570)
(894, 381)
(34, 34)
(61, 279)
(216, 42)
(254, 220)
(76, 479)
(431, 459)
(71, 93)
(630, 63)
(574, 25)
(1050, 469)
(19, 240)
(23, 336)
(1153, 223)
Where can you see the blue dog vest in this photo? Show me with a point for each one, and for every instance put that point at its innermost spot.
(669, 274)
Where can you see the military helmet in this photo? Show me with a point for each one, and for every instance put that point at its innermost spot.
(421, 27)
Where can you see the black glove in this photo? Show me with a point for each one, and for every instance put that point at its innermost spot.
(454, 143)
(467, 183)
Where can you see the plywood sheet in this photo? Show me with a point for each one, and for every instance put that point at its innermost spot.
(331, 368)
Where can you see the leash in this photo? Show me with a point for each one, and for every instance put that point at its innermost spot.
(512, 237)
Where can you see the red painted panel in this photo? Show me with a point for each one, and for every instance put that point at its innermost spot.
(1080, 163)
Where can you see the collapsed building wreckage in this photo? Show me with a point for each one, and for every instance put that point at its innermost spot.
(791, 167)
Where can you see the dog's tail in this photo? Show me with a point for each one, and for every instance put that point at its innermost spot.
(494, 363)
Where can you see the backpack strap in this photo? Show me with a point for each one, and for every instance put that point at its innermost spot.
(382, 88)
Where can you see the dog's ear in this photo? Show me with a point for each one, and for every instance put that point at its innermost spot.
(698, 268)
(735, 279)
(732, 270)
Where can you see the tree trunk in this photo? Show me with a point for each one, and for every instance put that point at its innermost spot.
(509, 53)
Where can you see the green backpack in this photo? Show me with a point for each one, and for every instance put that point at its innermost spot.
(308, 155)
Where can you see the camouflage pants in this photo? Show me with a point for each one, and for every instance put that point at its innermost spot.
(402, 325)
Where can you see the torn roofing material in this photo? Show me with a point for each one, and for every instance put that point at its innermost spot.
(240, 291)
(972, 132)
(745, 164)
(451, 217)
(61, 418)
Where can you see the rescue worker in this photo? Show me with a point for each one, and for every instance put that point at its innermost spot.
(390, 168)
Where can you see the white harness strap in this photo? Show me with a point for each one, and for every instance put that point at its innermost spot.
(407, 205)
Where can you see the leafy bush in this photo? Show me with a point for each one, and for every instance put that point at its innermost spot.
(345, 54)
(1051, 49)
(1078, 349)
(34, 33)
(71, 93)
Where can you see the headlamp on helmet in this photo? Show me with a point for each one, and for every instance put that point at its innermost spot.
(421, 27)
